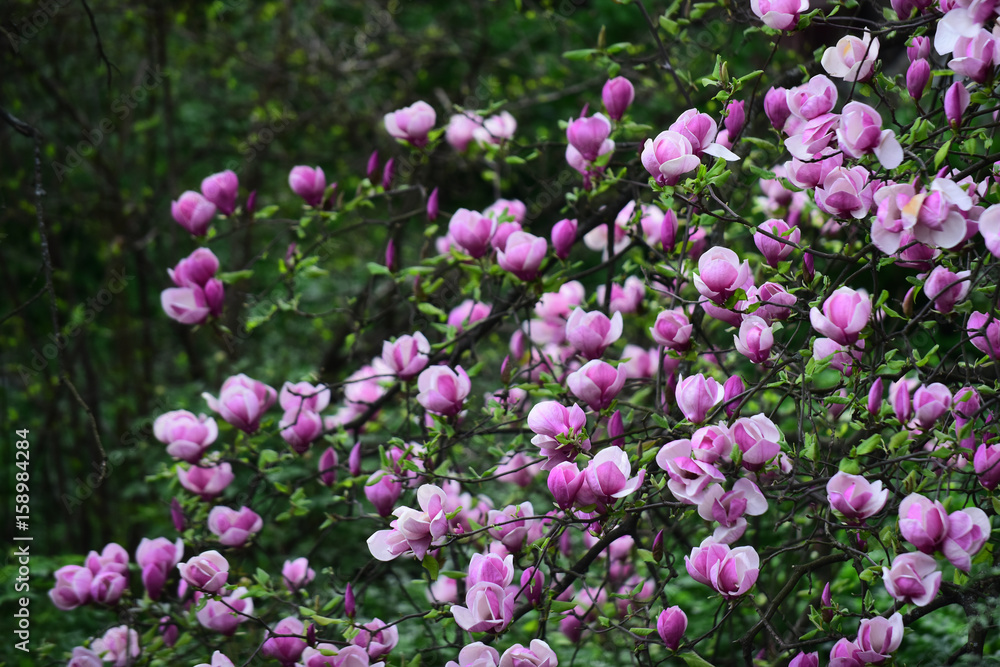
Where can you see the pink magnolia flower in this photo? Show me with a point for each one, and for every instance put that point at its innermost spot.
(845, 193)
(523, 254)
(775, 302)
(946, 288)
(568, 485)
(413, 530)
(776, 107)
(329, 655)
(592, 333)
(285, 650)
(930, 402)
(668, 157)
(617, 95)
(536, 654)
(476, 654)
(720, 274)
(232, 527)
(299, 428)
(689, 477)
(206, 481)
(672, 329)
(186, 305)
(984, 333)
(773, 250)
(596, 383)
(711, 443)
(242, 401)
(917, 76)
(219, 659)
(468, 313)
(461, 129)
(113, 558)
(878, 638)
(808, 175)
(731, 572)
(846, 653)
(193, 212)
(697, 395)
(186, 436)
(975, 56)
(838, 356)
(221, 189)
(157, 558)
(495, 129)
(491, 568)
(923, 523)
(305, 396)
(376, 638)
(487, 609)
(84, 657)
(563, 237)
(755, 339)
(701, 130)
(412, 123)
(297, 574)
(757, 437)
(407, 355)
(899, 399)
(308, 183)
(854, 497)
(815, 98)
(845, 314)
(728, 508)
(107, 587)
(588, 135)
(382, 490)
(986, 463)
(913, 578)
(510, 525)
(852, 59)
(860, 132)
(624, 298)
(968, 531)
(608, 475)
(442, 390)
(119, 646)
(779, 14)
(805, 660)
(72, 587)
(225, 614)
(812, 139)
(549, 420)
(207, 571)
(671, 625)
(471, 231)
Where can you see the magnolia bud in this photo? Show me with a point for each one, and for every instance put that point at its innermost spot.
(776, 107)
(735, 118)
(920, 47)
(827, 602)
(432, 206)
(354, 460)
(875, 397)
(734, 387)
(372, 166)
(505, 370)
(616, 429)
(917, 76)
(388, 173)
(563, 237)
(390, 255)
(349, 606)
(177, 515)
(311, 635)
(251, 201)
(617, 95)
(328, 467)
(956, 101)
(658, 547)
(808, 267)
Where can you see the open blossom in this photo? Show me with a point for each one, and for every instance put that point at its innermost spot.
(975, 56)
(814, 98)
(376, 638)
(720, 274)
(495, 129)
(442, 390)
(186, 436)
(206, 481)
(668, 157)
(968, 531)
(72, 587)
(845, 193)
(193, 212)
(207, 571)
(297, 574)
(852, 59)
(225, 614)
(984, 333)
(755, 339)
(242, 402)
(472, 231)
(757, 438)
(550, 420)
(233, 527)
(588, 135)
(537, 654)
(285, 650)
(913, 578)
(596, 383)
(304, 396)
(591, 333)
(221, 189)
(878, 638)
(779, 14)
(731, 572)
(946, 288)
(728, 508)
(697, 395)
(923, 522)
(156, 559)
(775, 250)
(411, 123)
(854, 497)
(511, 526)
(468, 313)
(119, 646)
(861, 132)
(930, 402)
(689, 477)
(523, 255)
(672, 329)
(413, 530)
(608, 475)
(487, 608)
(407, 355)
(845, 314)
(461, 129)
(476, 654)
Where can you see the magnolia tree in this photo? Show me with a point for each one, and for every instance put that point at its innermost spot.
(737, 406)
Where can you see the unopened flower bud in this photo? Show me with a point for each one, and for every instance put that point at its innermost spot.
(177, 515)
(388, 173)
(354, 460)
(251, 201)
(432, 206)
(616, 429)
(349, 606)
(373, 166)
(956, 101)
(658, 547)
(875, 397)
(732, 388)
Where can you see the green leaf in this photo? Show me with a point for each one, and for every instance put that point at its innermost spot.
(643, 632)
(431, 565)
(562, 606)
(377, 269)
(579, 54)
(692, 659)
(869, 445)
(941, 154)
(231, 277)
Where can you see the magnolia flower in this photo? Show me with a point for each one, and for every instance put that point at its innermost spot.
(852, 59)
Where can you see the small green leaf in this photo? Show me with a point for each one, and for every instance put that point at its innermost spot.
(941, 154)
(231, 277)
(692, 659)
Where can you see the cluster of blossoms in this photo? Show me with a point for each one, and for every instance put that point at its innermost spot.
(601, 384)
